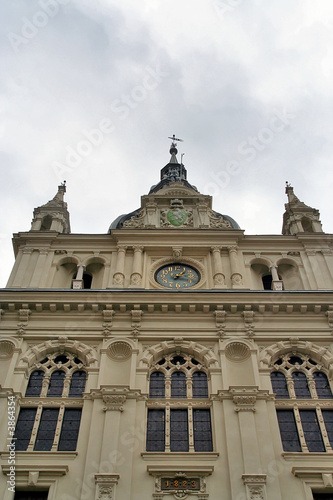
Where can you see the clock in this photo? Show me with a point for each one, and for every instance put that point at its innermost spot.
(177, 276)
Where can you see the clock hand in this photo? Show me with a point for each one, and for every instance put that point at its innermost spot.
(179, 274)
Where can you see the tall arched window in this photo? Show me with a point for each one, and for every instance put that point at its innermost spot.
(304, 414)
(43, 428)
(181, 422)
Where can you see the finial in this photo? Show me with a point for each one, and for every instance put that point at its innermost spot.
(173, 148)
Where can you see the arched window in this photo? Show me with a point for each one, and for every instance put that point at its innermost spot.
(46, 223)
(35, 383)
(305, 420)
(180, 423)
(56, 385)
(87, 280)
(37, 423)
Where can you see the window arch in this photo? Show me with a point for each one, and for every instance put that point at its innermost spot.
(178, 422)
(305, 418)
(40, 427)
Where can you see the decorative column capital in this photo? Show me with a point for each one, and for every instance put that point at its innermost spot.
(113, 402)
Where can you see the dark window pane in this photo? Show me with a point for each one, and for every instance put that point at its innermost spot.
(194, 361)
(156, 430)
(267, 282)
(178, 385)
(311, 430)
(24, 425)
(288, 430)
(31, 495)
(295, 359)
(56, 384)
(301, 385)
(157, 385)
(70, 430)
(61, 359)
(328, 419)
(202, 430)
(279, 362)
(279, 385)
(178, 430)
(200, 385)
(322, 385)
(78, 384)
(46, 429)
(178, 359)
(35, 383)
(322, 496)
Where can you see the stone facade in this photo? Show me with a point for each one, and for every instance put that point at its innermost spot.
(95, 302)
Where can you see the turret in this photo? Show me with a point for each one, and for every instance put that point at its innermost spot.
(53, 216)
(298, 217)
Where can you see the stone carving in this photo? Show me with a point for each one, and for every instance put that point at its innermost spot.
(118, 279)
(136, 221)
(119, 351)
(237, 351)
(6, 349)
(220, 318)
(176, 215)
(248, 322)
(177, 252)
(114, 402)
(217, 221)
(105, 484)
(245, 402)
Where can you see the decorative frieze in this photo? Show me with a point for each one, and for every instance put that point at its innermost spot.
(105, 486)
(255, 486)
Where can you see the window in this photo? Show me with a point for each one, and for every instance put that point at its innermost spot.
(40, 427)
(302, 392)
(182, 422)
(31, 495)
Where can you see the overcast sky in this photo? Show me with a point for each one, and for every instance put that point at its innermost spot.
(91, 90)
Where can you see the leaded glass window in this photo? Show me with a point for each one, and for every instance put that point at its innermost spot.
(38, 425)
(304, 415)
(35, 383)
(179, 381)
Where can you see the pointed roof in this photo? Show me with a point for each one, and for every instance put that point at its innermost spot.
(299, 217)
(172, 172)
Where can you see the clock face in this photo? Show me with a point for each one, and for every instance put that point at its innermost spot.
(177, 276)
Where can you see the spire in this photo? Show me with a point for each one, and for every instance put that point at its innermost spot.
(299, 217)
(53, 216)
(173, 171)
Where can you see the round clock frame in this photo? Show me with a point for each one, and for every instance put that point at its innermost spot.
(177, 276)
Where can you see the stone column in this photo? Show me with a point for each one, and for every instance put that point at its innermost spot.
(78, 281)
(277, 284)
(119, 276)
(136, 276)
(39, 269)
(314, 263)
(236, 276)
(24, 264)
(218, 276)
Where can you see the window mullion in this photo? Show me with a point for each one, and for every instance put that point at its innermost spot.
(45, 386)
(58, 428)
(190, 428)
(168, 386)
(300, 430)
(67, 383)
(324, 435)
(189, 385)
(35, 428)
(312, 387)
(290, 385)
(167, 428)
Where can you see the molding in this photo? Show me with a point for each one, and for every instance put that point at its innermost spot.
(181, 456)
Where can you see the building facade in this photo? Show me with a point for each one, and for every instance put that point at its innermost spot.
(173, 357)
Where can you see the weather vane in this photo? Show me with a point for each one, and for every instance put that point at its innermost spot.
(174, 138)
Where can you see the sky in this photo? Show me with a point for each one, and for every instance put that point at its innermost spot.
(90, 91)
